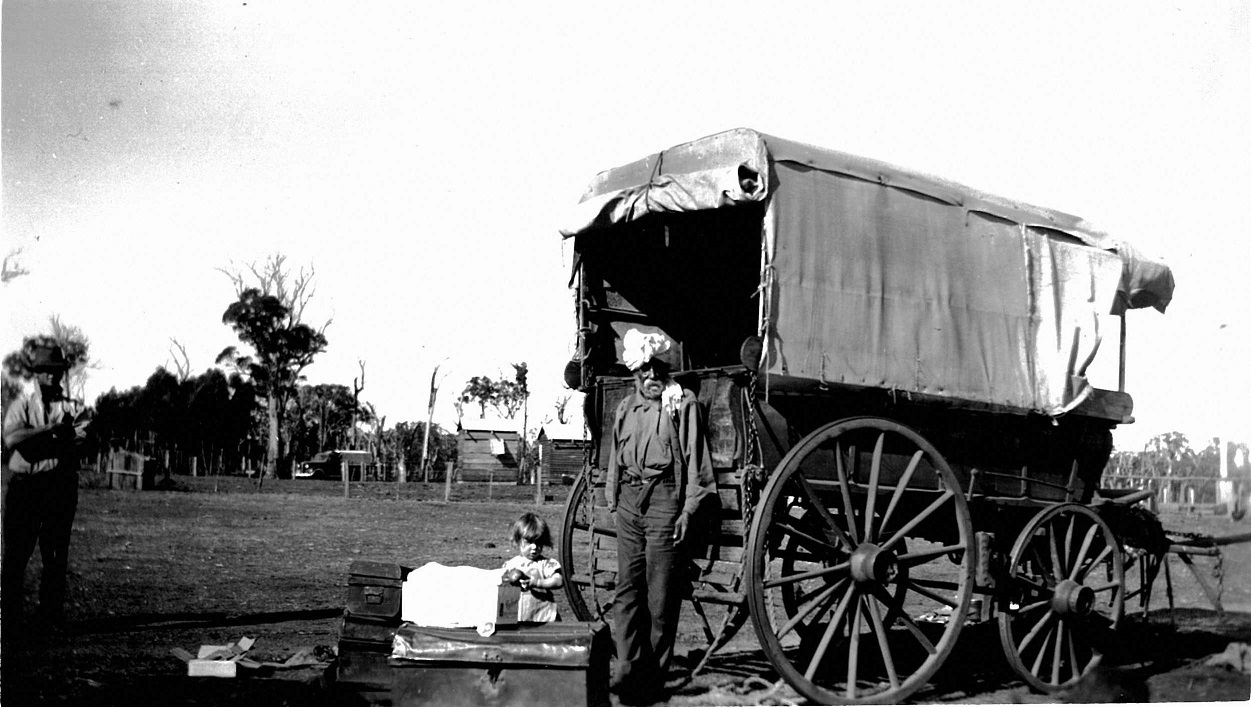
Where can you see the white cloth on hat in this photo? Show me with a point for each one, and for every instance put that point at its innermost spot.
(638, 347)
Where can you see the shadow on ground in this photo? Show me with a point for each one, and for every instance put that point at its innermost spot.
(1163, 656)
(116, 662)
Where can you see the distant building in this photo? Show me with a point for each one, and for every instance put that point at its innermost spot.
(562, 451)
(489, 450)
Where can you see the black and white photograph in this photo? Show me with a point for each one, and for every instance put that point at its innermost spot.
(572, 353)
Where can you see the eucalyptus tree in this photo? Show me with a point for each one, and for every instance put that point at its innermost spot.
(268, 316)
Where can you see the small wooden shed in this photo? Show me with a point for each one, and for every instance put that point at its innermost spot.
(562, 451)
(489, 450)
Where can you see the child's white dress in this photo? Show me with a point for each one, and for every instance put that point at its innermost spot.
(536, 604)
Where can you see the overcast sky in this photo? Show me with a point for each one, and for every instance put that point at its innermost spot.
(420, 156)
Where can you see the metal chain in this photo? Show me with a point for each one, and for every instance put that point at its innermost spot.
(752, 473)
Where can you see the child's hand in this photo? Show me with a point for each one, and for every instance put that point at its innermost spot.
(530, 580)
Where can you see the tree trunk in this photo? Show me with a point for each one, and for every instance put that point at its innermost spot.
(271, 457)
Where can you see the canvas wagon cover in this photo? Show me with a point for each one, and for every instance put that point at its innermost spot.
(877, 276)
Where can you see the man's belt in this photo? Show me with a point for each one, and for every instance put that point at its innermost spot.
(632, 479)
(648, 484)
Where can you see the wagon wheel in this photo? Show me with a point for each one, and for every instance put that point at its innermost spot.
(588, 550)
(1065, 596)
(861, 563)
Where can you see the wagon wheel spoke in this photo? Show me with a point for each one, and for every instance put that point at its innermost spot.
(925, 592)
(1027, 608)
(1057, 562)
(1036, 667)
(883, 645)
(1106, 587)
(1030, 583)
(1081, 553)
(811, 574)
(913, 463)
(805, 598)
(1057, 651)
(853, 651)
(811, 494)
(823, 601)
(835, 622)
(844, 490)
(913, 629)
(919, 518)
(1037, 629)
(1076, 664)
(875, 471)
(810, 541)
(922, 556)
(1067, 558)
(1097, 562)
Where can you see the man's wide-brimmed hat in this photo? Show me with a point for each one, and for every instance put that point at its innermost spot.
(48, 358)
(638, 346)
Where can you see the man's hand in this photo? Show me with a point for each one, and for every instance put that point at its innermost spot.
(63, 430)
(679, 527)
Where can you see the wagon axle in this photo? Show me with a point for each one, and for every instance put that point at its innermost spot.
(1072, 599)
(870, 563)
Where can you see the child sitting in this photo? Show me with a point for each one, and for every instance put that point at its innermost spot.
(535, 574)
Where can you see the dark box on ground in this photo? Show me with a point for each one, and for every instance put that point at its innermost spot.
(374, 588)
(559, 663)
(364, 647)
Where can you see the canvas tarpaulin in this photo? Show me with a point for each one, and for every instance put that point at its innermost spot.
(916, 296)
(876, 276)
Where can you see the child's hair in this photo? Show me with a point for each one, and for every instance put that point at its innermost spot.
(532, 528)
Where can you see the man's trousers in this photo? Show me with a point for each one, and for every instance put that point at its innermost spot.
(38, 510)
(648, 597)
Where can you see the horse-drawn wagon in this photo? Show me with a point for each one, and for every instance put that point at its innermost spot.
(893, 372)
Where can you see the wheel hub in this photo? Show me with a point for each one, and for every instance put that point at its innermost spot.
(1073, 599)
(870, 563)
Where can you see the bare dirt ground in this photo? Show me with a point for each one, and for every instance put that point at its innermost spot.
(191, 565)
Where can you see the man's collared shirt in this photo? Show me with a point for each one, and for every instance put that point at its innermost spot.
(644, 443)
(645, 440)
(27, 412)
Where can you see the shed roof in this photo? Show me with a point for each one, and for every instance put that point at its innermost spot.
(567, 431)
(491, 425)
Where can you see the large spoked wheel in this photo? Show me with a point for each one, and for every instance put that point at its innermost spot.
(1065, 596)
(588, 551)
(861, 563)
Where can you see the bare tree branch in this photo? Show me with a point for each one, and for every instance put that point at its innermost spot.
(272, 277)
(12, 268)
(183, 366)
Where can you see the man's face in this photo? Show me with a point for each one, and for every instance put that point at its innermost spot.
(50, 381)
(651, 381)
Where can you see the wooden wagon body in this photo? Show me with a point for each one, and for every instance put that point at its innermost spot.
(892, 369)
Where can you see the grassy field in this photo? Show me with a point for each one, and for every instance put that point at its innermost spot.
(190, 565)
(157, 570)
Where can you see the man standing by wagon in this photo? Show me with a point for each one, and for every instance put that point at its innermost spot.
(42, 433)
(659, 473)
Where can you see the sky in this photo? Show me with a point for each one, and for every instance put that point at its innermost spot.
(418, 158)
